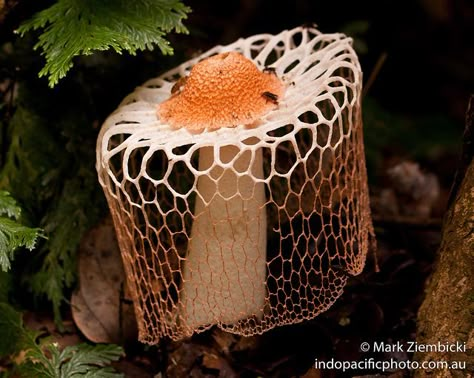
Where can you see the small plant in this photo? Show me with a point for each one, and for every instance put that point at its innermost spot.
(38, 356)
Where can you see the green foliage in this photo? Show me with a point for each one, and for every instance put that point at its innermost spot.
(6, 285)
(8, 205)
(50, 169)
(75, 27)
(65, 224)
(75, 361)
(13, 234)
(43, 358)
(34, 160)
(33, 169)
(10, 330)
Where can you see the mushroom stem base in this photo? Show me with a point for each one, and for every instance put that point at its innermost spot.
(224, 274)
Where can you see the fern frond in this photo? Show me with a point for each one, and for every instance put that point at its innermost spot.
(8, 205)
(12, 233)
(87, 360)
(80, 27)
(43, 358)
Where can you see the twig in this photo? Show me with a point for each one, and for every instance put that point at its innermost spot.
(375, 72)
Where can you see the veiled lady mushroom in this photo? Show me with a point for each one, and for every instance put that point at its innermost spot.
(242, 199)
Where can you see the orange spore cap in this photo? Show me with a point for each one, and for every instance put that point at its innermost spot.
(224, 90)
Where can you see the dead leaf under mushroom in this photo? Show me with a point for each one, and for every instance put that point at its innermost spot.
(101, 307)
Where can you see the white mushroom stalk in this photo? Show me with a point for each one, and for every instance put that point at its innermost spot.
(224, 275)
(237, 185)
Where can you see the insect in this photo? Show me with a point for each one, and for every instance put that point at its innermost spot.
(269, 96)
(178, 85)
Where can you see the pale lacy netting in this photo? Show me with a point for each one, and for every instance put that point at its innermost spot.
(248, 227)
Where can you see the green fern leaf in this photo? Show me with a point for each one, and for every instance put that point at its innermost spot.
(88, 360)
(43, 358)
(12, 233)
(8, 205)
(80, 27)
(12, 236)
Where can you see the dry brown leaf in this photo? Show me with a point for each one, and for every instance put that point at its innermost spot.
(100, 307)
(190, 359)
(212, 361)
(132, 370)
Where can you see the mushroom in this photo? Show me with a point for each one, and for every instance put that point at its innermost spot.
(237, 185)
(224, 273)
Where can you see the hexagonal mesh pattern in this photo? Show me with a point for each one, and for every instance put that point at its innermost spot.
(247, 227)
